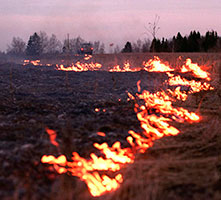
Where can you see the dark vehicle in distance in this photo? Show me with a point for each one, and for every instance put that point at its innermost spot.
(86, 48)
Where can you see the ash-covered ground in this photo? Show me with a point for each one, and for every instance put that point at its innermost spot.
(32, 98)
(35, 97)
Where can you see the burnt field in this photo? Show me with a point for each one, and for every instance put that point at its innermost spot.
(77, 105)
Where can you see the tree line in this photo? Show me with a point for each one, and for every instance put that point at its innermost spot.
(41, 44)
(194, 42)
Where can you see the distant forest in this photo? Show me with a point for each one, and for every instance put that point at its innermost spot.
(194, 42)
(40, 44)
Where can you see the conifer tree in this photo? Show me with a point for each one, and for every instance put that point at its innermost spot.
(34, 47)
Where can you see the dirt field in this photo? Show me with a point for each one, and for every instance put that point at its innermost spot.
(187, 166)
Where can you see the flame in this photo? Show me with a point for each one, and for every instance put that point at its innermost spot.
(115, 158)
(157, 126)
(101, 134)
(33, 62)
(80, 67)
(116, 68)
(195, 69)
(96, 109)
(155, 111)
(138, 86)
(87, 57)
(126, 68)
(156, 65)
(178, 94)
(52, 135)
(196, 86)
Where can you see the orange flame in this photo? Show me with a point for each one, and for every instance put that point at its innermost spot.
(196, 86)
(52, 135)
(101, 134)
(87, 57)
(80, 67)
(126, 68)
(138, 86)
(155, 114)
(115, 158)
(178, 94)
(33, 62)
(195, 69)
(156, 65)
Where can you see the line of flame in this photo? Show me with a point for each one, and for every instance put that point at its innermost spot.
(155, 126)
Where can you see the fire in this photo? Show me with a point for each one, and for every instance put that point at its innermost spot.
(196, 86)
(157, 126)
(195, 69)
(116, 68)
(96, 109)
(126, 68)
(87, 57)
(80, 67)
(156, 65)
(116, 157)
(178, 94)
(99, 185)
(52, 134)
(155, 111)
(101, 134)
(33, 62)
(138, 86)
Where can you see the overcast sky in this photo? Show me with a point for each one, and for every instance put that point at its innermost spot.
(111, 21)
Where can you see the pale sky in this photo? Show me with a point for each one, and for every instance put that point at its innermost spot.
(110, 21)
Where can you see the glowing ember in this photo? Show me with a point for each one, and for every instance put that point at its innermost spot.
(96, 109)
(138, 86)
(101, 134)
(155, 111)
(52, 135)
(87, 57)
(156, 65)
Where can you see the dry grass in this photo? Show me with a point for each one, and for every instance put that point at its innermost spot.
(187, 166)
(136, 59)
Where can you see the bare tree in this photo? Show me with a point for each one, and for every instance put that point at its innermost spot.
(54, 45)
(146, 45)
(44, 41)
(117, 49)
(49, 45)
(73, 45)
(102, 49)
(96, 47)
(153, 28)
(17, 46)
(137, 46)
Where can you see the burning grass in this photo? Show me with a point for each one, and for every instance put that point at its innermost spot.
(173, 168)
